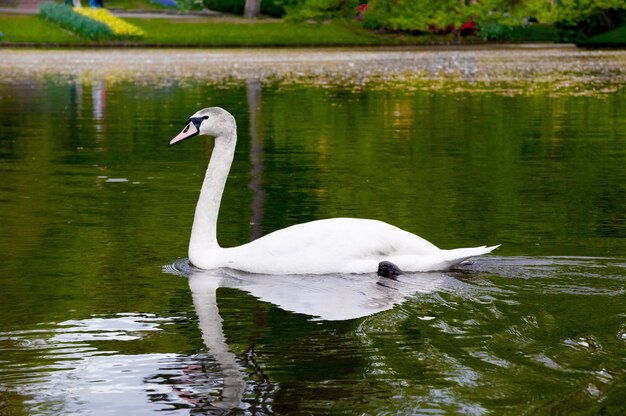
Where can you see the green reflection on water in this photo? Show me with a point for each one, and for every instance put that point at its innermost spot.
(93, 204)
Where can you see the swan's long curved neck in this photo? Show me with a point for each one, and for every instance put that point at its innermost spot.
(204, 231)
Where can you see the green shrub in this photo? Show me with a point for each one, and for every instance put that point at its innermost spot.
(416, 15)
(181, 5)
(540, 32)
(277, 8)
(74, 22)
(492, 30)
(274, 8)
(582, 19)
(226, 6)
(405, 15)
(300, 10)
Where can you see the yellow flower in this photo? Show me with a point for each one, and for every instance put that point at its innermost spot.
(117, 25)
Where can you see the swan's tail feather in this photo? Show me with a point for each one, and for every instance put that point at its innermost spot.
(441, 260)
(459, 255)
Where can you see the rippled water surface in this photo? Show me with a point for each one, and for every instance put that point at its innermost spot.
(102, 314)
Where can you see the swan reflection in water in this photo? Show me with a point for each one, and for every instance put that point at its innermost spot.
(337, 297)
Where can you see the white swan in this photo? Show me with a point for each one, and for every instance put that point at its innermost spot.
(338, 245)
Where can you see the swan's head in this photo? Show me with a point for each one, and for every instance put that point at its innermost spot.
(213, 121)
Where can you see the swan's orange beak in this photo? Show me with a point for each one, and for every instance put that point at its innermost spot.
(190, 130)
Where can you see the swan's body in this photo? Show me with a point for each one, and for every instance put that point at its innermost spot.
(338, 245)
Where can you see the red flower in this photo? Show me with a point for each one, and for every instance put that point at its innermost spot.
(469, 25)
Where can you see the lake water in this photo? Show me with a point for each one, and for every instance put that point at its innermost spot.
(102, 315)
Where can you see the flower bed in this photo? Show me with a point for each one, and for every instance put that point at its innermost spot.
(120, 28)
(81, 25)
(95, 24)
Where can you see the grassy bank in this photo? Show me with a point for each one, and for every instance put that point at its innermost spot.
(614, 38)
(275, 33)
(33, 29)
(202, 31)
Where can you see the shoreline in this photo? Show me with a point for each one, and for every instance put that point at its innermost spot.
(528, 69)
(121, 45)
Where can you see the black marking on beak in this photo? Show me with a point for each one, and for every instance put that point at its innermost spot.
(197, 121)
(192, 124)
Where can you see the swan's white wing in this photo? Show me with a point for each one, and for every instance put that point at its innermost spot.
(338, 245)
